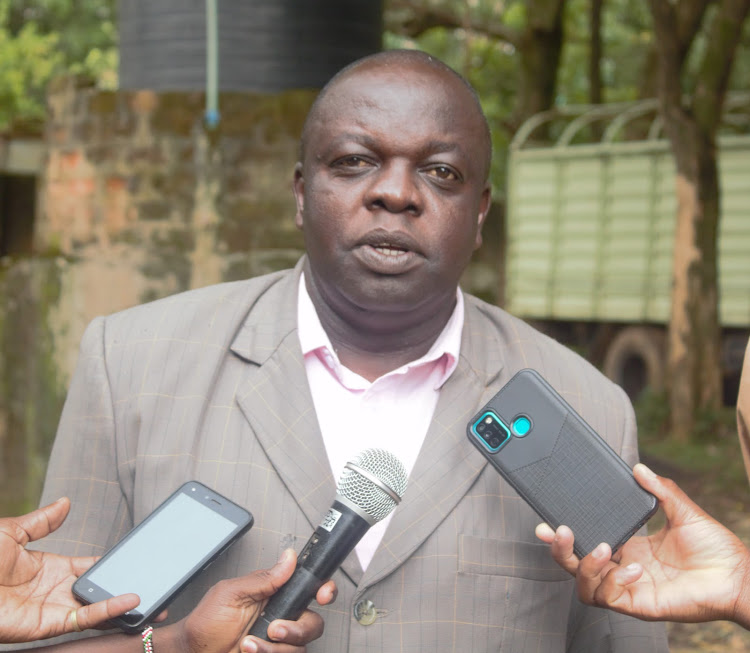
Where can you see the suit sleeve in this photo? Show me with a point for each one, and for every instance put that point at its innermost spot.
(596, 629)
(84, 462)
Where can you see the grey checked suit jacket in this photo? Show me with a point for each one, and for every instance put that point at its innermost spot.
(210, 385)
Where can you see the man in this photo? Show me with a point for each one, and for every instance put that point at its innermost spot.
(264, 388)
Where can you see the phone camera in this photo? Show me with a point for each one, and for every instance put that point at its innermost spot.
(491, 432)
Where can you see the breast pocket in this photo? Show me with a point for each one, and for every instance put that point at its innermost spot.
(513, 594)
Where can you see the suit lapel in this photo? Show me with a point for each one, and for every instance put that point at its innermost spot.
(276, 401)
(447, 465)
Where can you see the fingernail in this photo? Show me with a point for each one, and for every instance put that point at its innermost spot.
(248, 646)
(284, 556)
(599, 552)
(632, 569)
(646, 471)
(279, 632)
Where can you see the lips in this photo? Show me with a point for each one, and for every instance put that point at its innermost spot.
(388, 252)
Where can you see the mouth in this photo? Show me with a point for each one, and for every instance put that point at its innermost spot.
(387, 249)
(389, 253)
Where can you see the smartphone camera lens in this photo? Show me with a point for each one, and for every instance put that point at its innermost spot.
(491, 432)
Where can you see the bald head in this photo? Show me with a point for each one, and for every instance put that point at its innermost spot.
(401, 62)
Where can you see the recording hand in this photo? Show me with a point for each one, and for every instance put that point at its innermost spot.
(35, 588)
(693, 569)
(221, 619)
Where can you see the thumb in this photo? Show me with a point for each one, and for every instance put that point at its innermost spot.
(261, 584)
(678, 507)
(43, 521)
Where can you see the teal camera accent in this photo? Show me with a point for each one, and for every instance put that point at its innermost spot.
(491, 431)
(521, 426)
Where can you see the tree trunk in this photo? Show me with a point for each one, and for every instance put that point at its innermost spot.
(691, 124)
(540, 49)
(694, 333)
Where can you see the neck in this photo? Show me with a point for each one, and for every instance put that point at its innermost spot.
(372, 343)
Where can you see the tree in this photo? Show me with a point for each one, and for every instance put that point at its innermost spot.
(40, 39)
(691, 111)
(534, 29)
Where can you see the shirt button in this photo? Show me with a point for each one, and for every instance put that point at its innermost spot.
(364, 612)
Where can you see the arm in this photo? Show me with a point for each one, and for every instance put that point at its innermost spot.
(692, 570)
(220, 621)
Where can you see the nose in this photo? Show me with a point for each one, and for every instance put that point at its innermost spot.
(395, 189)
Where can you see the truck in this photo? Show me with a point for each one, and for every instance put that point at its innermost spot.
(590, 224)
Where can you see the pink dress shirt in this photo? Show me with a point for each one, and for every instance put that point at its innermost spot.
(392, 413)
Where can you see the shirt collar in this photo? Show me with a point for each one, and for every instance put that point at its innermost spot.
(314, 340)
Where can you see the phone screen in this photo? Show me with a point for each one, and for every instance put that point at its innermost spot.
(158, 557)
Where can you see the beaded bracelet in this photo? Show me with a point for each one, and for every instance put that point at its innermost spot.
(146, 638)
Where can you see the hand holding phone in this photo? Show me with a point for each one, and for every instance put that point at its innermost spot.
(161, 555)
(559, 465)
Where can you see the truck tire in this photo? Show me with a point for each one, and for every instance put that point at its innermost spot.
(636, 359)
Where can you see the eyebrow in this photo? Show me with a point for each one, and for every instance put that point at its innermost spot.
(435, 146)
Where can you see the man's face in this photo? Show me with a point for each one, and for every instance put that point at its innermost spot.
(392, 193)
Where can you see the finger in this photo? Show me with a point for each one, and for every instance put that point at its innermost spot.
(43, 521)
(613, 592)
(561, 549)
(545, 533)
(677, 506)
(327, 593)
(590, 572)
(296, 633)
(82, 563)
(96, 614)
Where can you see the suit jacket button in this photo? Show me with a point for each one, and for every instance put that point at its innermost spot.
(365, 612)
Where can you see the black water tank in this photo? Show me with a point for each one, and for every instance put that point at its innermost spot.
(263, 45)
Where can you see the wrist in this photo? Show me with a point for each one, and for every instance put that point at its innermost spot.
(168, 639)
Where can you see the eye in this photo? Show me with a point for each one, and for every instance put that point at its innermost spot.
(353, 161)
(443, 173)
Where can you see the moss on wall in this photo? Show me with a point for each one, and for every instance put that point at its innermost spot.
(31, 391)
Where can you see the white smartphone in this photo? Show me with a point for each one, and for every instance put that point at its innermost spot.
(161, 555)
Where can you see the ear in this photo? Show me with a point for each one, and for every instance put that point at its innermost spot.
(299, 195)
(484, 208)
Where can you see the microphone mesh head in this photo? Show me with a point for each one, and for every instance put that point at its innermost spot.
(366, 494)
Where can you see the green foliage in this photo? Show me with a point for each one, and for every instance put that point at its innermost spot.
(27, 61)
(40, 39)
(626, 38)
(491, 68)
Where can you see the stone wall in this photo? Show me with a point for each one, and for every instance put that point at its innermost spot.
(137, 200)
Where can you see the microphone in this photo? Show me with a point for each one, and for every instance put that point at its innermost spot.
(369, 488)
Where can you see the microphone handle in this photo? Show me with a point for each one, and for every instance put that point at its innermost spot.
(322, 555)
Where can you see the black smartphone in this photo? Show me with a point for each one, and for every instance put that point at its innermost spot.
(559, 465)
(161, 555)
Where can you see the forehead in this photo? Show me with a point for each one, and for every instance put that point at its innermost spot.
(412, 101)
